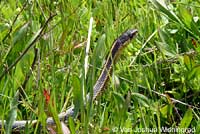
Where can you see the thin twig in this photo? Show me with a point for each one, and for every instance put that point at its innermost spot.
(169, 60)
(175, 100)
(27, 77)
(142, 47)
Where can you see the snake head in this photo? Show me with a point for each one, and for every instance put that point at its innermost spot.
(127, 35)
(131, 33)
(122, 41)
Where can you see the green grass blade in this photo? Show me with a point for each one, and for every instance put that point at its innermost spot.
(185, 122)
(141, 99)
(12, 114)
(161, 6)
(77, 93)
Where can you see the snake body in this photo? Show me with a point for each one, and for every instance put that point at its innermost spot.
(117, 47)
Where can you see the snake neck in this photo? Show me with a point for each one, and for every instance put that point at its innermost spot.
(117, 47)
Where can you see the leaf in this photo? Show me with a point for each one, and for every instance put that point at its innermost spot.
(120, 101)
(184, 22)
(18, 44)
(22, 68)
(166, 110)
(197, 128)
(19, 76)
(164, 48)
(77, 93)
(71, 125)
(185, 122)
(195, 72)
(15, 55)
(99, 51)
(168, 45)
(103, 116)
(141, 99)
(188, 20)
(12, 114)
(119, 98)
(163, 8)
(54, 114)
(20, 34)
(189, 63)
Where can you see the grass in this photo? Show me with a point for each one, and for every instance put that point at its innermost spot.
(154, 85)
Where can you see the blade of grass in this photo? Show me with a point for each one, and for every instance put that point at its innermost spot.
(12, 114)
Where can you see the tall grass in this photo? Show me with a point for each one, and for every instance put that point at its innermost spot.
(154, 84)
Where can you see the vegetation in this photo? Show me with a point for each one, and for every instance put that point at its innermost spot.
(155, 82)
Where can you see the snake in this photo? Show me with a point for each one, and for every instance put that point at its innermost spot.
(118, 45)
